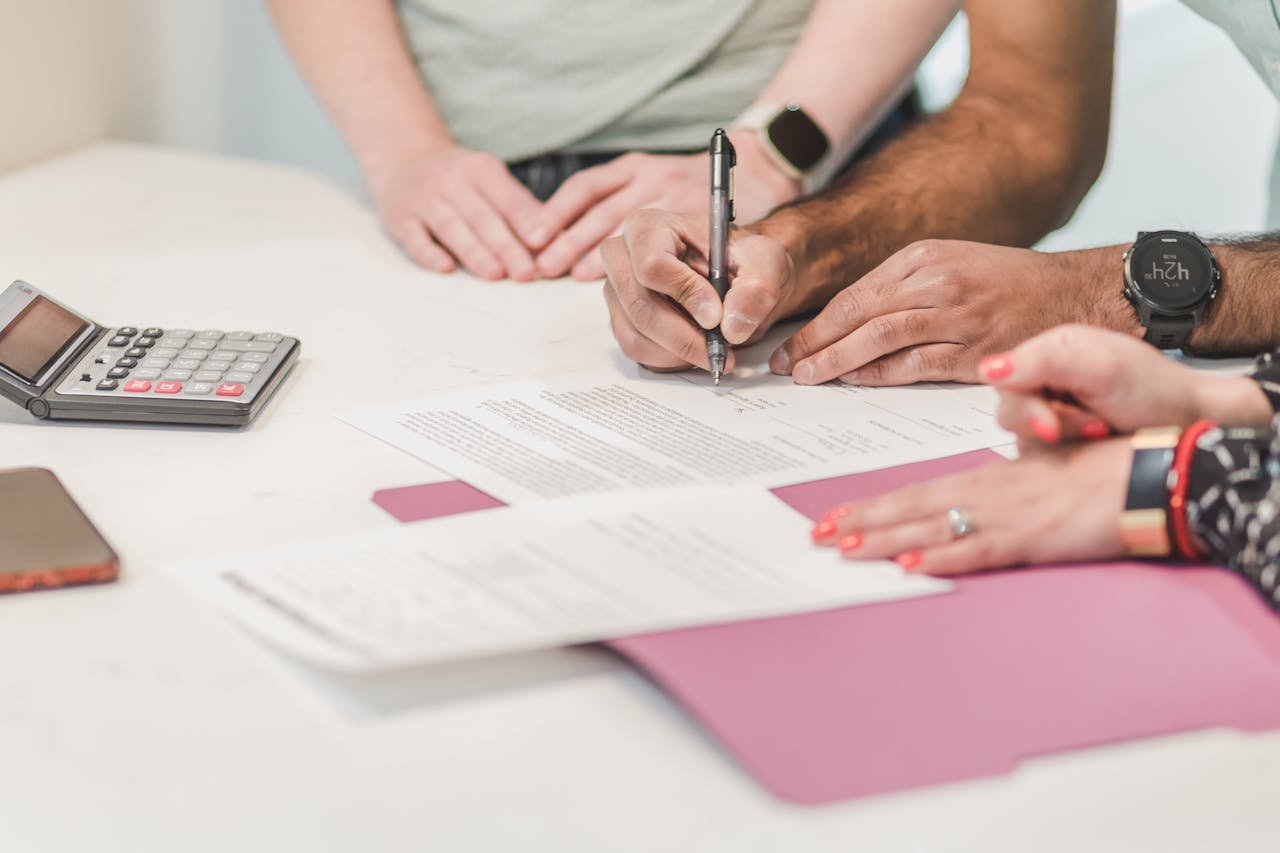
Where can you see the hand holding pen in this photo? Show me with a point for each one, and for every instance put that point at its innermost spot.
(659, 297)
(723, 159)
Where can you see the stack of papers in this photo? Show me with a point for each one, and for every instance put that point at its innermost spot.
(637, 504)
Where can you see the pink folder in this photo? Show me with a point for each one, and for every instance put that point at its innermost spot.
(865, 700)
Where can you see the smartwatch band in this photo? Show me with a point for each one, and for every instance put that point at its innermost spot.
(1144, 525)
(1169, 332)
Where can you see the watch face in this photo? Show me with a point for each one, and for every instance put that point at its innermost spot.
(798, 138)
(1172, 271)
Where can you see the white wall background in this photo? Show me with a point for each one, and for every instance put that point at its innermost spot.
(210, 74)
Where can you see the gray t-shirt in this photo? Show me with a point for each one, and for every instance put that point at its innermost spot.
(524, 78)
(1254, 25)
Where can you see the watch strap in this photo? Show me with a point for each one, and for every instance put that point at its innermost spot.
(1144, 525)
(1166, 332)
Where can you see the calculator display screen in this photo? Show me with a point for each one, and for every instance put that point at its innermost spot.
(36, 336)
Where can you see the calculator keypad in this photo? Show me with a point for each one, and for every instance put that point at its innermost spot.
(178, 363)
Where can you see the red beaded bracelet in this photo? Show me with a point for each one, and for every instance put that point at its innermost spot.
(1179, 475)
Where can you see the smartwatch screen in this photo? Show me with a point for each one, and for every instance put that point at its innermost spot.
(798, 138)
(1172, 272)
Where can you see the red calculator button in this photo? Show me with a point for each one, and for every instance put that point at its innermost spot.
(230, 389)
(168, 387)
(137, 386)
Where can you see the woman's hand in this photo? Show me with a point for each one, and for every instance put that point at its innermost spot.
(1059, 505)
(593, 204)
(1082, 382)
(453, 205)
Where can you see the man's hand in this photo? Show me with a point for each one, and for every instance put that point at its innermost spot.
(1080, 382)
(934, 309)
(660, 301)
(454, 203)
(591, 205)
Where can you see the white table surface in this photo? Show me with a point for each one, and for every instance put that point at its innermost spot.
(134, 719)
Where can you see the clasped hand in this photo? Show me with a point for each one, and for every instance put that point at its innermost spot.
(452, 206)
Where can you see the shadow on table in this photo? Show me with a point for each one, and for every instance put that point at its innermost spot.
(372, 696)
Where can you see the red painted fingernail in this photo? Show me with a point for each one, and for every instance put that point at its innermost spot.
(1045, 431)
(909, 560)
(1095, 430)
(996, 366)
(852, 542)
(823, 530)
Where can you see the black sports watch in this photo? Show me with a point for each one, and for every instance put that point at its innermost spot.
(1170, 277)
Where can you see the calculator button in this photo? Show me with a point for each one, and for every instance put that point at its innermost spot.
(184, 334)
(228, 389)
(247, 367)
(117, 373)
(211, 334)
(218, 365)
(208, 376)
(200, 388)
(224, 355)
(178, 374)
(254, 358)
(269, 337)
(145, 342)
(127, 362)
(197, 354)
(168, 387)
(137, 386)
(146, 373)
(187, 364)
(129, 331)
(248, 346)
(135, 352)
(239, 336)
(236, 376)
(165, 352)
(157, 363)
(170, 341)
(153, 332)
(119, 341)
(108, 385)
(202, 344)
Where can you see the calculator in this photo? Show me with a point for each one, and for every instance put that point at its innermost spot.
(59, 364)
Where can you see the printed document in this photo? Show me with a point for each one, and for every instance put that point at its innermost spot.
(607, 431)
(551, 574)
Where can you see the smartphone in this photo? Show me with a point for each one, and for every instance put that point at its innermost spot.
(46, 541)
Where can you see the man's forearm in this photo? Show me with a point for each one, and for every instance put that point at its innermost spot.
(1006, 163)
(1245, 318)
(354, 57)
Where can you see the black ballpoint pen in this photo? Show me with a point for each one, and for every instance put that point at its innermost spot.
(723, 159)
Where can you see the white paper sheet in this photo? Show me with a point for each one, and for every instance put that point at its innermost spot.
(604, 431)
(544, 575)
